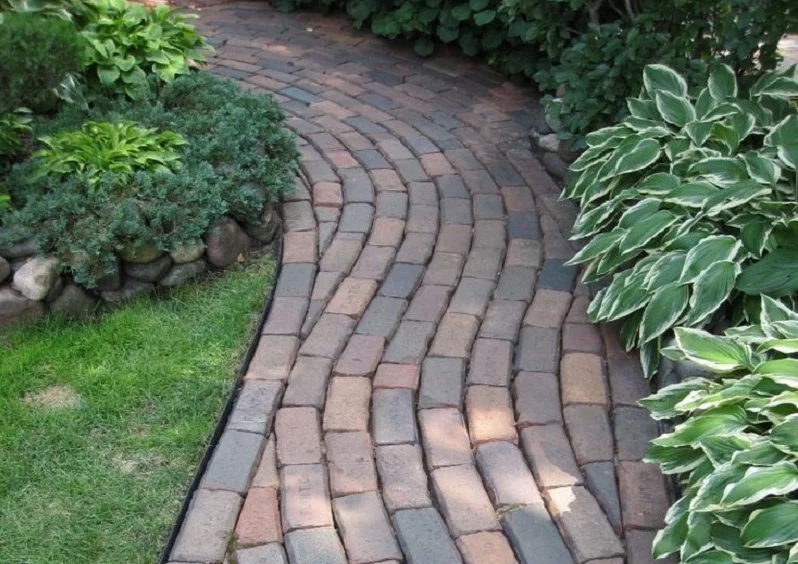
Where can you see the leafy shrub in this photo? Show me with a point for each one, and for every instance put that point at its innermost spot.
(681, 196)
(38, 54)
(237, 157)
(128, 43)
(119, 148)
(735, 447)
(12, 127)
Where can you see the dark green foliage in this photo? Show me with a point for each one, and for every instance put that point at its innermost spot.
(237, 158)
(594, 49)
(37, 53)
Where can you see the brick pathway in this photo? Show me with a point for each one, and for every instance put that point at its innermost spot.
(427, 388)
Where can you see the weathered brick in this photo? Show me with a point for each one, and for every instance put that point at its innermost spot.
(484, 263)
(644, 499)
(634, 429)
(402, 280)
(463, 159)
(233, 462)
(489, 234)
(307, 383)
(537, 398)
(506, 475)
(259, 522)
(298, 216)
(356, 218)
(266, 475)
(361, 356)
(387, 232)
(471, 297)
(394, 150)
(490, 414)
(410, 342)
(374, 262)
(452, 186)
(342, 253)
(602, 483)
(429, 303)
(436, 164)
(638, 548)
(584, 525)
(318, 546)
(523, 225)
(404, 376)
(589, 429)
(582, 378)
(382, 317)
(365, 528)
(328, 336)
(327, 194)
(357, 186)
(416, 248)
(347, 406)
(326, 228)
(626, 381)
(296, 281)
(502, 320)
(581, 337)
(518, 199)
(394, 418)
(392, 204)
(305, 498)
(441, 383)
(491, 362)
(454, 239)
(286, 316)
(456, 211)
(548, 309)
(273, 358)
(387, 181)
(480, 548)
(463, 500)
(352, 297)
(455, 335)
(370, 158)
(445, 438)
(255, 407)
(444, 269)
(534, 536)
(556, 276)
(207, 527)
(524, 252)
(424, 538)
(422, 194)
(404, 482)
(516, 283)
(549, 454)
(351, 463)
(578, 311)
(539, 350)
(298, 436)
(411, 170)
(272, 553)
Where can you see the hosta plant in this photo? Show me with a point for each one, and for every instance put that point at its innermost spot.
(734, 449)
(98, 148)
(12, 127)
(128, 43)
(681, 196)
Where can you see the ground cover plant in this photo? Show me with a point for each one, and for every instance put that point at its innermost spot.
(734, 448)
(103, 422)
(690, 205)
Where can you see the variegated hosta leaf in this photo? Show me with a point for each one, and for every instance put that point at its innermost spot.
(720, 171)
(784, 133)
(761, 482)
(692, 194)
(718, 354)
(675, 109)
(657, 184)
(660, 78)
(773, 526)
(784, 436)
(708, 251)
(762, 169)
(722, 83)
(662, 405)
(723, 421)
(675, 460)
(670, 538)
(735, 196)
(645, 109)
(776, 274)
(665, 307)
(711, 289)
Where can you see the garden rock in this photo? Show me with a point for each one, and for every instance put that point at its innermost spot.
(55, 291)
(5, 269)
(549, 142)
(554, 123)
(181, 273)
(151, 271)
(74, 302)
(111, 280)
(23, 249)
(554, 165)
(187, 252)
(226, 241)
(36, 277)
(132, 288)
(140, 252)
(15, 307)
(269, 227)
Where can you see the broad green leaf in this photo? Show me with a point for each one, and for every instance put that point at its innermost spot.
(726, 136)
(659, 78)
(675, 109)
(728, 538)
(711, 289)
(638, 212)
(714, 353)
(784, 436)
(735, 196)
(675, 460)
(732, 391)
(722, 83)
(670, 538)
(774, 526)
(784, 133)
(600, 244)
(720, 171)
(761, 169)
(631, 157)
(662, 405)
(762, 453)
(639, 235)
(108, 75)
(645, 109)
(692, 194)
(742, 124)
(774, 311)
(789, 346)
(704, 103)
(721, 450)
(461, 12)
(663, 310)
(658, 184)
(603, 135)
(761, 482)
(710, 492)
(776, 274)
(484, 17)
(699, 131)
(710, 250)
(788, 154)
(666, 270)
(711, 557)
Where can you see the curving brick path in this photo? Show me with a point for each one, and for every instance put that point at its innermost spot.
(427, 388)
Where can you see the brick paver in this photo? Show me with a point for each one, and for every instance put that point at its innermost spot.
(427, 375)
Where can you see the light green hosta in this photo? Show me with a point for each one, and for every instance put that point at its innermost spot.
(735, 449)
(682, 196)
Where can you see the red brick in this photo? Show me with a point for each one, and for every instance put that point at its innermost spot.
(342, 159)
(581, 337)
(644, 499)
(347, 406)
(481, 548)
(582, 378)
(397, 376)
(259, 521)
(490, 414)
(537, 398)
(352, 297)
(464, 502)
(286, 316)
(455, 335)
(548, 309)
(327, 194)
(305, 498)
(589, 429)
(342, 253)
(386, 180)
(351, 463)
(299, 246)
(298, 436)
(524, 252)
(445, 437)
(273, 358)
(374, 262)
(387, 232)
(491, 362)
(550, 456)
(328, 336)
(429, 303)
(436, 164)
(361, 356)
(518, 199)
(454, 239)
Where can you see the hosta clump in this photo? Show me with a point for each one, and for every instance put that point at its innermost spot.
(734, 450)
(681, 196)
(118, 148)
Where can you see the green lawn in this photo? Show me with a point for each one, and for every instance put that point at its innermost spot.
(102, 423)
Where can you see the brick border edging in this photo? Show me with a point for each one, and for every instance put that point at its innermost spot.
(221, 424)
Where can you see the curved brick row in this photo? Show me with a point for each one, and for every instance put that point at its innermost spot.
(427, 388)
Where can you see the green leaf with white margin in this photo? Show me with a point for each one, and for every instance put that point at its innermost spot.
(788, 346)
(658, 184)
(710, 492)
(640, 108)
(789, 155)
(711, 557)
(728, 538)
(598, 138)
(784, 436)
(773, 311)
(735, 196)
(721, 450)
(663, 310)
(591, 156)
(761, 169)
(733, 391)
(650, 358)
(709, 250)
(722, 83)
(717, 354)
(711, 290)
(721, 171)
(670, 538)
(662, 405)
(774, 526)
(726, 136)
(666, 270)
(784, 133)
(638, 212)
(704, 103)
(660, 78)
(762, 453)
(699, 537)
(761, 482)
(675, 460)
(632, 158)
(776, 274)
(692, 194)
(598, 245)
(743, 124)
(699, 131)
(643, 232)
(675, 109)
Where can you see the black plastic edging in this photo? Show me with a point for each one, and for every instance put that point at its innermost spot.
(228, 408)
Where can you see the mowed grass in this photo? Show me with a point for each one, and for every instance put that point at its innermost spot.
(103, 423)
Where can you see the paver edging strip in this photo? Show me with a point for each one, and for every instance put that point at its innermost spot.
(225, 415)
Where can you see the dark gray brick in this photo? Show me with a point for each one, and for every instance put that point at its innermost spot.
(382, 317)
(365, 126)
(555, 275)
(314, 546)
(472, 296)
(402, 280)
(523, 225)
(502, 320)
(601, 481)
(392, 204)
(534, 537)
(421, 145)
(505, 174)
(233, 462)
(538, 350)
(356, 218)
(488, 206)
(357, 186)
(394, 419)
(452, 186)
(411, 170)
(423, 194)
(424, 538)
(441, 383)
(301, 95)
(378, 101)
(255, 407)
(296, 280)
(516, 283)
(371, 159)
(634, 428)
(410, 343)
(456, 211)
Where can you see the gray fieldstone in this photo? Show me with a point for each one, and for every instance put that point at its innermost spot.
(36, 277)
(140, 252)
(187, 252)
(5, 269)
(182, 273)
(23, 249)
(15, 307)
(55, 290)
(554, 165)
(131, 288)
(74, 302)
(233, 462)
(109, 280)
(226, 241)
(269, 227)
(150, 271)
